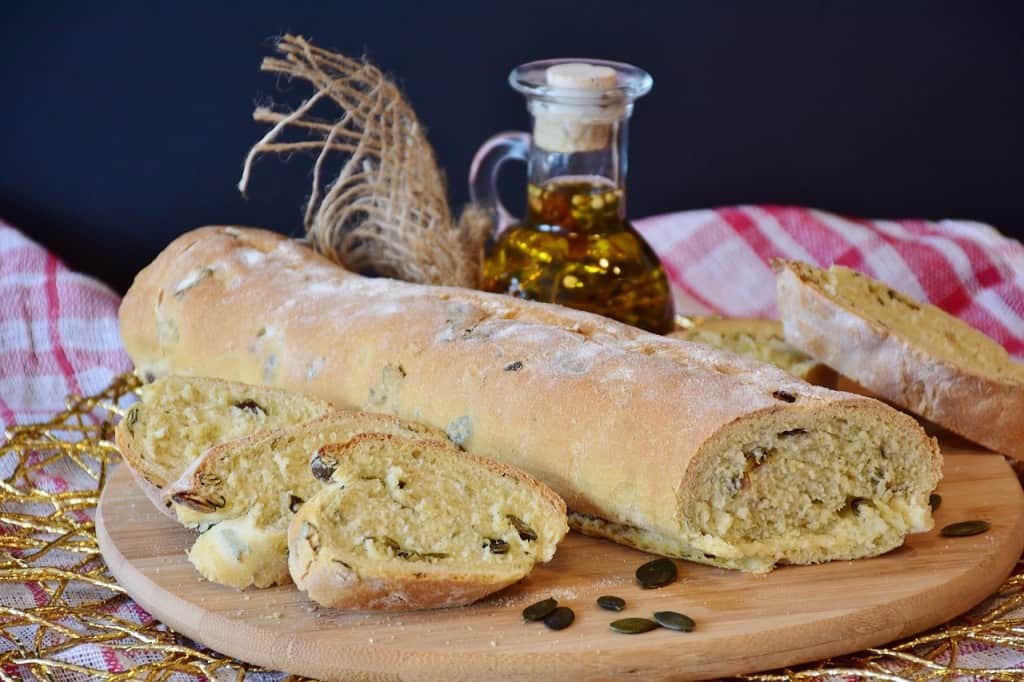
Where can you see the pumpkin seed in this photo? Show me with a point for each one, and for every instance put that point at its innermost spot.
(964, 528)
(784, 396)
(609, 603)
(559, 619)
(657, 573)
(322, 465)
(674, 621)
(935, 501)
(250, 405)
(540, 610)
(433, 555)
(199, 503)
(525, 532)
(497, 546)
(210, 480)
(633, 626)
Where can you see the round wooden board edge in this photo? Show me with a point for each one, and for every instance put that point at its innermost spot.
(272, 649)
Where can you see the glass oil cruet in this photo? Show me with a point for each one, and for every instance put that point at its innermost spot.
(574, 246)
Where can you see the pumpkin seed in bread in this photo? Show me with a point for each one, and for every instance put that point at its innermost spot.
(414, 524)
(910, 353)
(178, 418)
(243, 493)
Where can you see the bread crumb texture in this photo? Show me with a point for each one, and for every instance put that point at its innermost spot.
(927, 326)
(178, 418)
(910, 353)
(243, 493)
(780, 491)
(409, 523)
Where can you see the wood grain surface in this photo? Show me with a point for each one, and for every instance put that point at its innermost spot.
(745, 623)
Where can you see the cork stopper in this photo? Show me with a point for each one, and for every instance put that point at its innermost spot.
(581, 76)
(582, 121)
(578, 104)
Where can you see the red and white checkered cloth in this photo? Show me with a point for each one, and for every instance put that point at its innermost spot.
(58, 332)
(718, 261)
(58, 329)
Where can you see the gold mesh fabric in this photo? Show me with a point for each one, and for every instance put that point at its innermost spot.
(63, 617)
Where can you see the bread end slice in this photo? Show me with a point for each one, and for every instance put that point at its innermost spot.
(178, 418)
(907, 352)
(803, 484)
(413, 524)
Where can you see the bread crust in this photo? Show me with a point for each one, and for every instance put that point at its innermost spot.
(984, 409)
(330, 584)
(133, 460)
(609, 416)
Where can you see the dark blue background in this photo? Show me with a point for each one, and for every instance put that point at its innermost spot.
(124, 125)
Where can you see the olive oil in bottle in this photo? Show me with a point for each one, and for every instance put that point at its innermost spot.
(574, 246)
(575, 249)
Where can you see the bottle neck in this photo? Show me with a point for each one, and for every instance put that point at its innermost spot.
(577, 150)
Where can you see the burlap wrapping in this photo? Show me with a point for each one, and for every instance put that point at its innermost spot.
(387, 211)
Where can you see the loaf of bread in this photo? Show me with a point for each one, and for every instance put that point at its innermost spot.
(669, 446)
(905, 351)
(243, 493)
(415, 524)
(761, 340)
(178, 418)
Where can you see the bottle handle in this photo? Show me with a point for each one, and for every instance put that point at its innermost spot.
(483, 174)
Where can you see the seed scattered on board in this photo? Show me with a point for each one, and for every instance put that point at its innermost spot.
(540, 610)
(964, 528)
(548, 611)
(653, 574)
(674, 621)
(935, 501)
(633, 626)
(657, 573)
(610, 603)
(559, 619)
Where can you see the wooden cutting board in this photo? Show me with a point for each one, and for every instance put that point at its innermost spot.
(745, 623)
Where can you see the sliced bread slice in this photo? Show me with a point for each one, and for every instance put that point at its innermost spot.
(178, 418)
(910, 353)
(416, 524)
(243, 493)
(759, 339)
